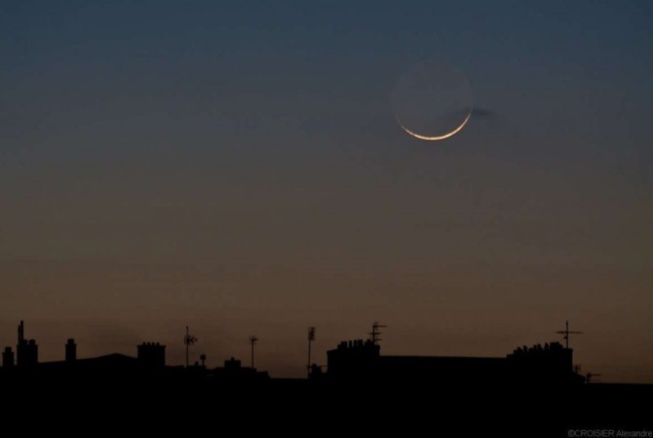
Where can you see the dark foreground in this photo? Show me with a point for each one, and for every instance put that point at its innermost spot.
(300, 407)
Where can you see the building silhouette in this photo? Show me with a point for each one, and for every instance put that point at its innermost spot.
(432, 389)
(355, 361)
(361, 361)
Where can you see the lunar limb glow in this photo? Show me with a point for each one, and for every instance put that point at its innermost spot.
(432, 101)
(441, 137)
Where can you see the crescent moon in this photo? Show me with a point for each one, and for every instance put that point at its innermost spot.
(439, 137)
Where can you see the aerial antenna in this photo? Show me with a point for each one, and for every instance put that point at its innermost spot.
(590, 376)
(376, 333)
(311, 338)
(252, 341)
(566, 332)
(188, 341)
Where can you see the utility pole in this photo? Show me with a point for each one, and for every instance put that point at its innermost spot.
(566, 334)
(252, 341)
(311, 338)
(188, 341)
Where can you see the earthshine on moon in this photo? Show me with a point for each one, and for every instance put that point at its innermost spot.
(432, 101)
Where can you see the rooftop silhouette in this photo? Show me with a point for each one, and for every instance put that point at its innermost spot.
(356, 373)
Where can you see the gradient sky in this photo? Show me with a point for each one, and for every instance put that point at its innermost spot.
(236, 166)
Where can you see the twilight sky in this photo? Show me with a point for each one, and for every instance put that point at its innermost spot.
(236, 166)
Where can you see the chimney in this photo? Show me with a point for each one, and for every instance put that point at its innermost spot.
(21, 332)
(33, 353)
(71, 351)
(152, 355)
(8, 358)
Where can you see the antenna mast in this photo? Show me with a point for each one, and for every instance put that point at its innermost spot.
(252, 341)
(376, 333)
(311, 338)
(566, 332)
(188, 341)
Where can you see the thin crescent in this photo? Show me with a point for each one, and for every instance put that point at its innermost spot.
(440, 137)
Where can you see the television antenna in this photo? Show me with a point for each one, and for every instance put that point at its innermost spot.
(566, 332)
(188, 341)
(311, 338)
(252, 341)
(376, 333)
